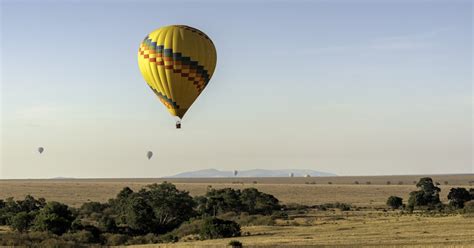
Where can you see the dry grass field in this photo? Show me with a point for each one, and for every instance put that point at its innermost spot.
(308, 191)
(366, 227)
(354, 229)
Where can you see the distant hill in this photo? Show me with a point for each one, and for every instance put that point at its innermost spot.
(212, 173)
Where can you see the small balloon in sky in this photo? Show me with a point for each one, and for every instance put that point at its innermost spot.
(149, 154)
(40, 150)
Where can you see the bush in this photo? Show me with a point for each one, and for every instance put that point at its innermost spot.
(469, 207)
(458, 196)
(83, 236)
(394, 202)
(214, 228)
(235, 244)
(249, 200)
(55, 217)
(255, 220)
(21, 221)
(115, 239)
(159, 208)
(145, 239)
(256, 202)
(427, 195)
(339, 205)
(191, 227)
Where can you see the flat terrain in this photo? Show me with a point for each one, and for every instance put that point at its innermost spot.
(366, 227)
(308, 191)
(354, 229)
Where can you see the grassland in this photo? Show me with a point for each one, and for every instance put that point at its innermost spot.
(308, 191)
(354, 229)
(369, 226)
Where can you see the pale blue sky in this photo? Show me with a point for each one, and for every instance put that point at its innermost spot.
(348, 87)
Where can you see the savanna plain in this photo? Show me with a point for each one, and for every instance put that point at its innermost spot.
(367, 222)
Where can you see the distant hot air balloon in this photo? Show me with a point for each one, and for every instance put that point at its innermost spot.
(291, 174)
(235, 172)
(149, 154)
(177, 63)
(40, 150)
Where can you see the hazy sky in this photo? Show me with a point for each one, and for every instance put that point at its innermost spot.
(349, 87)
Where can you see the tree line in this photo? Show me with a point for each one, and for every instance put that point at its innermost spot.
(427, 198)
(145, 216)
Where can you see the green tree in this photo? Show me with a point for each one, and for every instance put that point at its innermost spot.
(218, 201)
(458, 196)
(55, 217)
(394, 202)
(170, 206)
(31, 204)
(138, 215)
(21, 221)
(256, 202)
(427, 195)
(10, 208)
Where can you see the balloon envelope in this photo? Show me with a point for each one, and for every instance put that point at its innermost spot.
(177, 63)
(235, 172)
(149, 154)
(40, 149)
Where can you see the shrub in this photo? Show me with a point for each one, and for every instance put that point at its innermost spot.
(279, 215)
(394, 202)
(427, 195)
(388, 183)
(356, 182)
(158, 208)
(21, 221)
(144, 239)
(225, 200)
(235, 244)
(55, 217)
(188, 228)
(115, 239)
(83, 236)
(256, 202)
(255, 220)
(368, 183)
(469, 207)
(89, 208)
(458, 196)
(340, 206)
(214, 228)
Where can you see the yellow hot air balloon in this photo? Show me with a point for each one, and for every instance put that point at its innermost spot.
(177, 63)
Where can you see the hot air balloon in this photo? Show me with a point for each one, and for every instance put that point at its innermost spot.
(149, 154)
(291, 174)
(235, 173)
(177, 63)
(40, 150)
